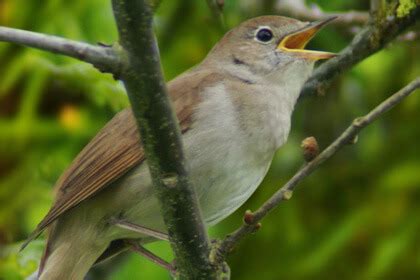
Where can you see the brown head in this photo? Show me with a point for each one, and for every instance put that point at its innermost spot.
(268, 43)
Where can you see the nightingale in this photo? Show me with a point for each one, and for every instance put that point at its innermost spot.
(234, 110)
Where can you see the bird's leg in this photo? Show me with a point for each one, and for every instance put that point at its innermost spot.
(141, 229)
(136, 247)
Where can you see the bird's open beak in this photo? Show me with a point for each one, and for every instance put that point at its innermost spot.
(296, 42)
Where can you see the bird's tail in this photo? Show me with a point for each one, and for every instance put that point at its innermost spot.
(69, 256)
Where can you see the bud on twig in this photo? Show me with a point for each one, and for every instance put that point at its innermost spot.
(310, 148)
(353, 140)
(256, 227)
(248, 217)
(287, 194)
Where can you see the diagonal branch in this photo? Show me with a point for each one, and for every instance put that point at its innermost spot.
(161, 139)
(285, 193)
(372, 38)
(136, 247)
(103, 58)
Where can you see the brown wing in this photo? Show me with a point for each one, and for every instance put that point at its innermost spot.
(116, 149)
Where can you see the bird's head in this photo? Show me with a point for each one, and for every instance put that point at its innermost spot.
(269, 44)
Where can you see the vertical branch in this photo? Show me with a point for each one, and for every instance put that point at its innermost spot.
(375, 6)
(216, 8)
(377, 12)
(161, 138)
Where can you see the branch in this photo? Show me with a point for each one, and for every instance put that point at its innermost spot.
(103, 58)
(299, 9)
(216, 8)
(161, 137)
(252, 219)
(372, 38)
(377, 7)
(136, 247)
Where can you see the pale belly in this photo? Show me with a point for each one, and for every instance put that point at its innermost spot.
(223, 179)
(227, 160)
(224, 174)
(225, 171)
(224, 195)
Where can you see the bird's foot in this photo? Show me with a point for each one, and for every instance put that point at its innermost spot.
(141, 229)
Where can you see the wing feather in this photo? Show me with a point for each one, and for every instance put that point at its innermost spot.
(116, 149)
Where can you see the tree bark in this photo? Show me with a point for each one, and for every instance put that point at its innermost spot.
(161, 139)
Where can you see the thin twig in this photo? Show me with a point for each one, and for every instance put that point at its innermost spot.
(286, 191)
(300, 10)
(103, 58)
(216, 7)
(151, 256)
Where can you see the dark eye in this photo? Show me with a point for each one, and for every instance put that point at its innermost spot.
(264, 35)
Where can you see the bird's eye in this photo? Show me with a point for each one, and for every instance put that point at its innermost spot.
(264, 35)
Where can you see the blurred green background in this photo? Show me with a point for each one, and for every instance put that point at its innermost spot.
(357, 217)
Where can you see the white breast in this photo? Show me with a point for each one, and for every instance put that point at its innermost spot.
(226, 163)
(227, 157)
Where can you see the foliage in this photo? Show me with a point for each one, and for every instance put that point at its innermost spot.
(405, 6)
(356, 217)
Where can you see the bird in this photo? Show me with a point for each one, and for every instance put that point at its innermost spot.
(234, 110)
